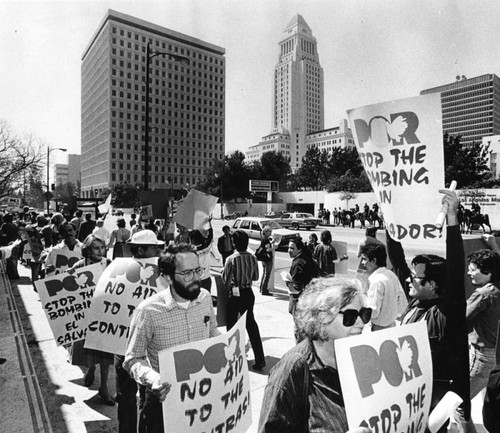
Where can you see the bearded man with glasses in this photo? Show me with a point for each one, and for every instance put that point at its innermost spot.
(181, 314)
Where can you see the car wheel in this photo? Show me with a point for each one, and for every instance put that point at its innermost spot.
(295, 226)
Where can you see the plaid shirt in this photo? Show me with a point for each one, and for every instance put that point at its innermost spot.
(159, 323)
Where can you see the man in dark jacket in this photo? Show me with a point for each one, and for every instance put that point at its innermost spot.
(86, 227)
(225, 244)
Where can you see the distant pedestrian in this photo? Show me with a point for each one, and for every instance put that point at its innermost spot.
(101, 231)
(86, 227)
(325, 254)
(118, 238)
(239, 272)
(265, 255)
(225, 244)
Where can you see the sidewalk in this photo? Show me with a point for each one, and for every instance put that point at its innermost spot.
(41, 392)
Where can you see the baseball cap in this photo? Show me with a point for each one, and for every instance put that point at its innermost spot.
(145, 237)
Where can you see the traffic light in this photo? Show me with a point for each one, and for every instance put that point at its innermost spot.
(53, 187)
(96, 191)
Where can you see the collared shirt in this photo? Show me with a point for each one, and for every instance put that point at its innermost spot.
(303, 395)
(385, 296)
(483, 314)
(159, 323)
(240, 270)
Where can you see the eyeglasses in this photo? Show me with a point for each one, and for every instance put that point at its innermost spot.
(189, 274)
(421, 280)
(350, 316)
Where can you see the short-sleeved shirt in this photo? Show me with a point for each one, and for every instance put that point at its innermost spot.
(483, 314)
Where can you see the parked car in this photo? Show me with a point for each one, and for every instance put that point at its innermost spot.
(117, 212)
(273, 214)
(297, 220)
(253, 227)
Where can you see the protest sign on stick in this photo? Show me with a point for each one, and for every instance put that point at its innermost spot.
(400, 144)
(124, 284)
(386, 378)
(210, 384)
(195, 209)
(66, 299)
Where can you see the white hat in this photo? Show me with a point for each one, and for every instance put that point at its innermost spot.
(145, 237)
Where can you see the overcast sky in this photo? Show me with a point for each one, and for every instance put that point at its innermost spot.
(370, 50)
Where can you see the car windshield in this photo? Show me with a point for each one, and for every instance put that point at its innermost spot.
(271, 223)
(305, 215)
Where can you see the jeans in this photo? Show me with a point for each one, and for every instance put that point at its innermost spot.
(238, 305)
(268, 268)
(481, 362)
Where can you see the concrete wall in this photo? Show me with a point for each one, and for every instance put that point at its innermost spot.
(489, 200)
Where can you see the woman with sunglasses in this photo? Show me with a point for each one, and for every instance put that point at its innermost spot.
(303, 393)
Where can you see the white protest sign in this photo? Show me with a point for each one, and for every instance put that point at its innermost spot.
(341, 250)
(400, 144)
(124, 284)
(210, 384)
(195, 209)
(62, 259)
(386, 378)
(66, 300)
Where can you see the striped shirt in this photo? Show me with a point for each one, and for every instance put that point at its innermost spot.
(159, 323)
(240, 270)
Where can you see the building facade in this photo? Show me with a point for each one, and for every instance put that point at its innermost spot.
(186, 106)
(61, 174)
(471, 107)
(74, 169)
(298, 101)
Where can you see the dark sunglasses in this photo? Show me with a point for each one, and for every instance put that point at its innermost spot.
(350, 316)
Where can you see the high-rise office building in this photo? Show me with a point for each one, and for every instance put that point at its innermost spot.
(186, 106)
(471, 107)
(298, 97)
(74, 168)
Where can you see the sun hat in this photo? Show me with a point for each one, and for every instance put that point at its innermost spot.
(145, 237)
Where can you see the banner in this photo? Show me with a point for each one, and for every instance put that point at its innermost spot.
(386, 378)
(124, 284)
(400, 144)
(210, 384)
(194, 210)
(66, 299)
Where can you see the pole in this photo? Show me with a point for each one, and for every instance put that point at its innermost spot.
(48, 186)
(146, 132)
(222, 195)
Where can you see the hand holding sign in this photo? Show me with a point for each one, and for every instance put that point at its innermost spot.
(160, 389)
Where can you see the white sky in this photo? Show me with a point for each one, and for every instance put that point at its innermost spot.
(371, 51)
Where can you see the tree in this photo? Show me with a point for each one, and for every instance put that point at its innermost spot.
(17, 154)
(314, 171)
(347, 195)
(272, 166)
(465, 164)
(349, 182)
(125, 194)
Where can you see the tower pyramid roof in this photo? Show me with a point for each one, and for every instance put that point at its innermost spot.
(297, 20)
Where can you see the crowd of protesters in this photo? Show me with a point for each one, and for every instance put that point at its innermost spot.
(324, 307)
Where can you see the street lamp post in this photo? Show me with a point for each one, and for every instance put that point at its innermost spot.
(150, 55)
(48, 181)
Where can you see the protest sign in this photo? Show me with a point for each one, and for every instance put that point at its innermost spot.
(33, 247)
(210, 384)
(386, 378)
(341, 249)
(124, 284)
(400, 144)
(62, 259)
(66, 299)
(194, 210)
